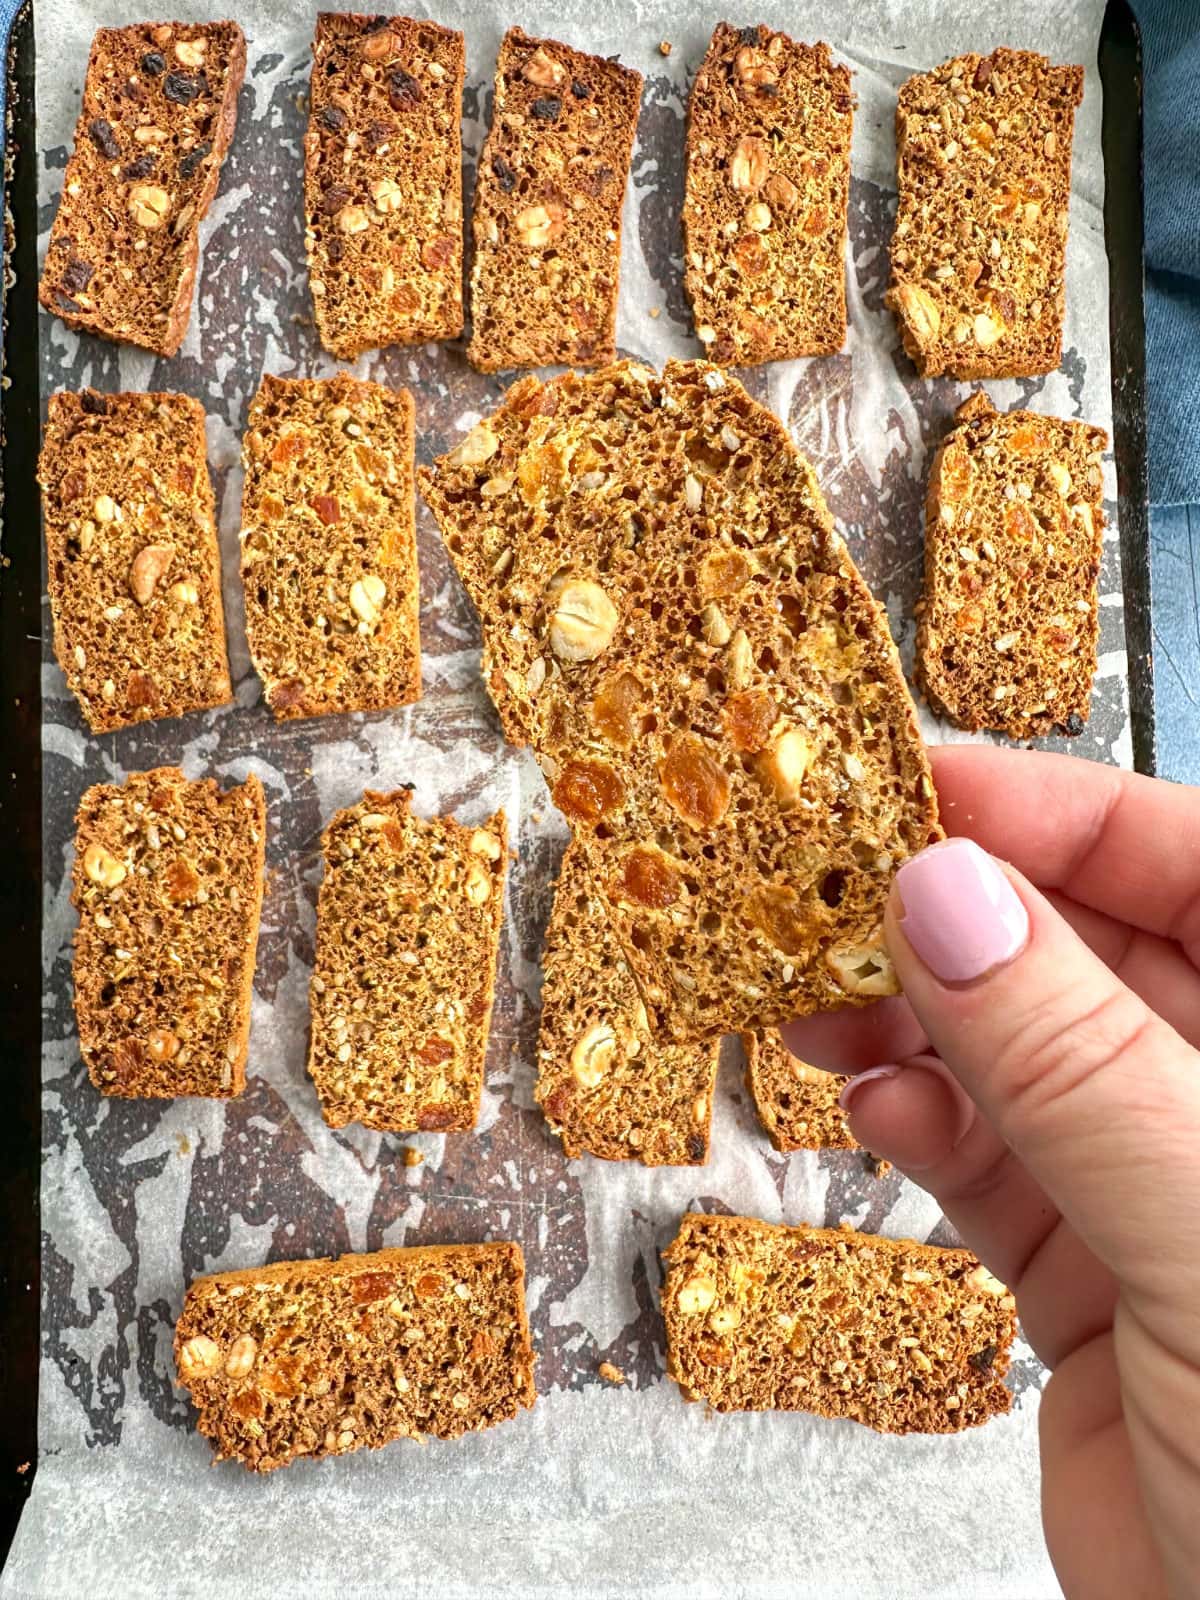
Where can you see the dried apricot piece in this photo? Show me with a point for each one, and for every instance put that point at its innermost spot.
(1019, 525)
(778, 913)
(615, 707)
(290, 447)
(588, 790)
(954, 475)
(649, 878)
(368, 1286)
(695, 784)
(723, 573)
(1028, 438)
(543, 470)
(327, 508)
(748, 719)
(182, 881)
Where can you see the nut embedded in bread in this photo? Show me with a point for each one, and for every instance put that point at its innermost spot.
(319, 1358)
(383, 182)
(329, 554)
(1009, 620)
(902, 1337)
(548, 200)
(133, 566)
(671, 620)
(168, 882)
(607, 1086)
(408, 929)
(983, 149)
(158, 112)
(768, 190)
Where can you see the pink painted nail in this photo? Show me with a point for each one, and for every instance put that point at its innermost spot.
(961, 915)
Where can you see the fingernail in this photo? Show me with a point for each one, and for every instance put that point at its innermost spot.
(962, 917)
(960, 1100)
(852, 1085)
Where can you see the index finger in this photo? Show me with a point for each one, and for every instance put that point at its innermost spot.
(1121, 843)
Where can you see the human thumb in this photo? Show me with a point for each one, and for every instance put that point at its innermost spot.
(1097, 1095)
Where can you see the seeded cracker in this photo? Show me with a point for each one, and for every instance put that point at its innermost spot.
(408, 930)
(1009, 620)
(902, 1337)
(329, 555)
(158, 112)
(133, 566)
(548, 200)
(797, 1103)
(768, 189)
(606, 1085)
(671, 620)
(319, 1358)
(984, 169)
(383, 182)
(168, 882)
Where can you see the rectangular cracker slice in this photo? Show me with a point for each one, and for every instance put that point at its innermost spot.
(767, 198)
(797, 1103)
(983, 149)
(329, 554)
(548, 200)
(902, 1337)
(319, 1358)
(383, 182)
(607, 1086)
(168, 882)
(134, 569)
(158, 112)
(1009, 620)
(408, 930)
(671, 620)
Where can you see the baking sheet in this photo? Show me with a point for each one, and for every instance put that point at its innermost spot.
(598, 1490)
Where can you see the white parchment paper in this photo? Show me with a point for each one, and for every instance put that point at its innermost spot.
(599, 1491)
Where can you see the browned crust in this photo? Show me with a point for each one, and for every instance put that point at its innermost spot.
(527, 312)
(766, 211)
(134, 1067)
(166, 342)
(414, 239)
(762, 1317)
(118, 684)
(981, 226)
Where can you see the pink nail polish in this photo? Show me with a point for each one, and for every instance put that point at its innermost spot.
(961, 915)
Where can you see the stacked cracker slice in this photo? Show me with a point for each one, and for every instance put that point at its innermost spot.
(673, 624)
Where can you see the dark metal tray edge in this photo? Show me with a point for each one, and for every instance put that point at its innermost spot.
(1120, 63)
(20, 796)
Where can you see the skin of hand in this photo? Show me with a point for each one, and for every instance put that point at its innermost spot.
(1041, 1079)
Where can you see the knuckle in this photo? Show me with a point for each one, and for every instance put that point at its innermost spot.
(1046, 1061)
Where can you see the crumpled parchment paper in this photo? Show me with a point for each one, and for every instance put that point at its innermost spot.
(599, 1491)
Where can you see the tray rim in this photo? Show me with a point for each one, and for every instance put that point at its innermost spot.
(20, 798)
(1120, 65)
